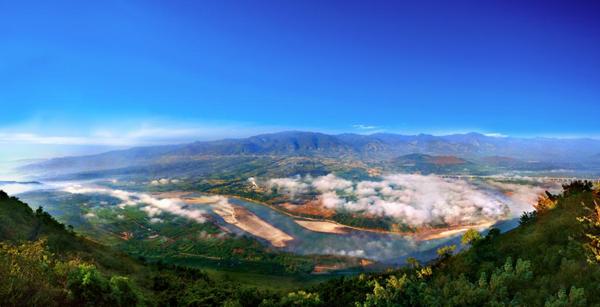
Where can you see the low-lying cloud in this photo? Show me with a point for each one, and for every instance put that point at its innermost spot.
(152, 206)
(416, 200)
(290, 186)
(164, 181)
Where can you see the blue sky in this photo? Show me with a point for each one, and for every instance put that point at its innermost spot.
(86, 75)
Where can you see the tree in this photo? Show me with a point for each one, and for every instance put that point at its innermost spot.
(470, 237)
(576, 187)
(413, 262)
(545, 202)
(445, 252)
(527, 217)
(502, 288)
(301, 299)
(28, 276)
(88, 287)
(3, 195)
(575, 298)
(123, 291)
(591, 224)
(493, 233)
(392, 294)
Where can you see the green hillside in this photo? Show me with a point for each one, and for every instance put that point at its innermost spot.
(551, 259)
(19, 223)
(43, 262)
(546, 261)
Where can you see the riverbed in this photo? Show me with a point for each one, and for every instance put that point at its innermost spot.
(300, 239)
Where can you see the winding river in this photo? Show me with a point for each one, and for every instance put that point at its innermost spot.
(382, 247)
(387, 248)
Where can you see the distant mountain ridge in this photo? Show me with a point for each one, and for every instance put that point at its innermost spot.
(375, 147)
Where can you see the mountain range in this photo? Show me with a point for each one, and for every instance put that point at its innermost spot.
(491, 150)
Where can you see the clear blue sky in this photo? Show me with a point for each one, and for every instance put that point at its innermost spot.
(72, 70)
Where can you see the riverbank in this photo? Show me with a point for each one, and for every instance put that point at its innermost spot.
(323, 225)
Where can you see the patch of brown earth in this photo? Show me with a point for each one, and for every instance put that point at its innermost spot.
(373, 172)
(314, 208)
(326, 268)
(447, 160)
(125, 235)
(365, 262)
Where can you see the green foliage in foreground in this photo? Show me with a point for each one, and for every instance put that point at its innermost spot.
(543, 262)
(31, 275)
(175, 240)
(549, 260)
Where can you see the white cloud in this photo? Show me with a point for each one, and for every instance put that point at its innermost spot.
(149, 204)
(23, 137)
(45, 138)
(126, 134)
(105, 138)
(364, 127)
(252, 182)
(17, 188)
(522, 197)
(495, 135)
(155, 220)
(290, 186)
(416, 199)
(342, 252)
(163, 181)
(331, 183)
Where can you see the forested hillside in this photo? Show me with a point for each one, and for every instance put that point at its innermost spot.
(44, 263)
(551, 259)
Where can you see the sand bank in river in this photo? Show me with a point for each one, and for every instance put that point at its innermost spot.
(247, 221)
(237, 216)
(439, 233)
(321, 226)
(423, 234)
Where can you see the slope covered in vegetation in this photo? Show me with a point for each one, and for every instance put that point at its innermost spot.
(551, 259)
(43, 262)
(547, 260)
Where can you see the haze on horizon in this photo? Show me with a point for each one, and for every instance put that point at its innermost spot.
(79, 78)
